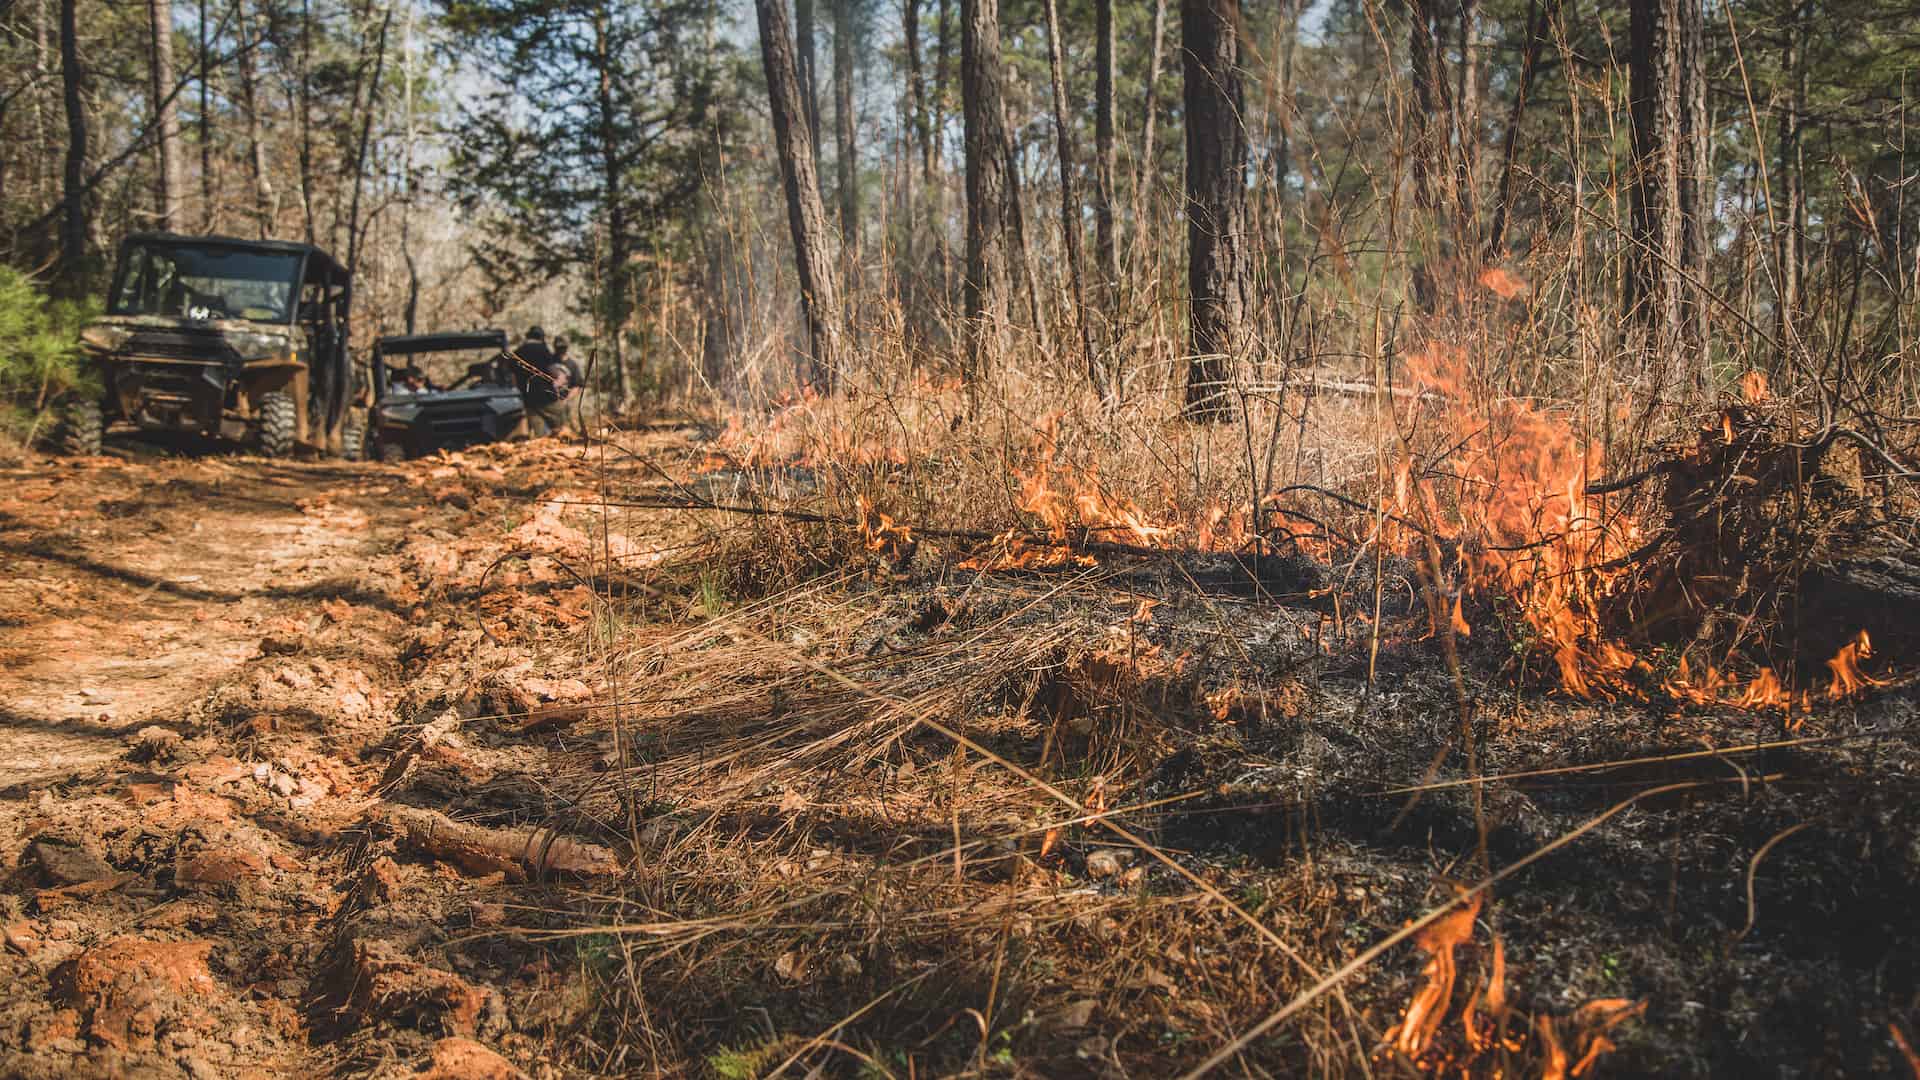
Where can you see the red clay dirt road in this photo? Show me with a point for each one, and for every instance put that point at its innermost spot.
(201, 691)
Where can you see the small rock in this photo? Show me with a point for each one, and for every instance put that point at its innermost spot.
(384, 880)
(387, 983)
(1106, 863)
(790, 966)
(22, 938)
(57, 1031)
(224, 870)
(456, 1058)
(155, 743)
(1074, 1017)
(62, 862)
(129, 990)
(276, 645)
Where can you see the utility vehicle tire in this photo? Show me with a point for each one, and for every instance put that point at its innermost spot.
(279, 421)
(393, 453)
(83, 430)
(353, 436)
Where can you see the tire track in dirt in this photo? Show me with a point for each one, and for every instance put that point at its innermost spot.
(239, 702)
(191, 650)
(128, 590)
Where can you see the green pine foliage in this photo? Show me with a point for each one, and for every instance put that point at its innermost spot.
(596, 134)
(40, 358)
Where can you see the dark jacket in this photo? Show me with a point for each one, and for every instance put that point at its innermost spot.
(534, 356)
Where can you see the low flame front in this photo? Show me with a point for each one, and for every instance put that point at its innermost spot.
(1511, 496)
(1486, 1034)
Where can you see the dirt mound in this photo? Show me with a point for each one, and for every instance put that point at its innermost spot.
(128, 993)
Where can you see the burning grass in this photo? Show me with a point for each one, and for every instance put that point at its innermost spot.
(1064, 741)
(903, 795)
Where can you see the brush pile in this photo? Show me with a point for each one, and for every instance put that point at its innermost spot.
(1777, 545)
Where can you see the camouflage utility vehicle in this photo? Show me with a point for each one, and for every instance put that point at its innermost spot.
(245, 340)
(442, 391)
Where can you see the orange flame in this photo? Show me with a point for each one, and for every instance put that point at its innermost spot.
(1848, 679)
(1501, 283)
(1905, 1047)
(1568, 1046)
(1072, 501)
(879, 531)
(1414, 1034)
(1753, 387)
(1590, 1026)
(1520, 513)
(1528, 531)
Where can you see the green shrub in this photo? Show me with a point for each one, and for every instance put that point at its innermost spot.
(40, 360)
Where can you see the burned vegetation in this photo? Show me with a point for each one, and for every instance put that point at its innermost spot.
(735, 750)
(1385, 546)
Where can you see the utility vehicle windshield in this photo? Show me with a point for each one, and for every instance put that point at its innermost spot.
(206, 282)
(411, 373)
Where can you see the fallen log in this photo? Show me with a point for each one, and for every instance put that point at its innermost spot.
(1856, 591)
(519, 854)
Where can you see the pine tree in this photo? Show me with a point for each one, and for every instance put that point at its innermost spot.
(626, 100)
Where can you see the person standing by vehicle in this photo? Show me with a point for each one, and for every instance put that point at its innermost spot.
(567, 379)
(539, 389)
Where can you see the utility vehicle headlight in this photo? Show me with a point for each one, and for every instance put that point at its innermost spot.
(399, 414)
(257, 346)
(105, 338)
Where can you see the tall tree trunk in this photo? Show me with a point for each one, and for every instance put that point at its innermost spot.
(1288, 32)
(813, 240)
(74, 229)
(1426, 71)
(1150, 109)
(263, 201)
(1791, 195)
(354, 225)
(1105, 164)
(1466, 122)
(1539, 20)
(619, 295)
(1216, 200)
(206, 125)
(1668, 112)
(1697, 188)
(304, 108)
(917, 87)
(845, 154)
(1017, 238)
(984, 291)
(1070, 227)
(809, 75)
(942, 49)
(166, 116)
(42, 136)
(1429, 151)
(407, 174)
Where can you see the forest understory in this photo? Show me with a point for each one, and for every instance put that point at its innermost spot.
(672, 753)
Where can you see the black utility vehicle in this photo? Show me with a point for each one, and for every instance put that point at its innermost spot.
(241, 339)
(435, 391)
